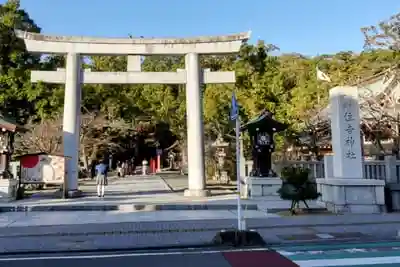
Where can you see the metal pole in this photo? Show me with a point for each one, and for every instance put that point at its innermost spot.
(65, 185)
(238, 178)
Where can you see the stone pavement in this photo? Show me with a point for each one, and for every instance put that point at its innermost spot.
(66, 231)
(178, 183)
(143, 193)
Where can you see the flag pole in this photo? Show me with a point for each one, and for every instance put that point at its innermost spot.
(235, 117)
(239, 237)
(238, 178)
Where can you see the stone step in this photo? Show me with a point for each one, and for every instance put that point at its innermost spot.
(122, 207)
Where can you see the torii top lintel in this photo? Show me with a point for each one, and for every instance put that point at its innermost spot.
(223, 44)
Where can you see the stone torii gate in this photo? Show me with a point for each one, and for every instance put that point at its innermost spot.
(193, 76)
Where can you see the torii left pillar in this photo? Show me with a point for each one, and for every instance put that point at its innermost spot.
(71, 121)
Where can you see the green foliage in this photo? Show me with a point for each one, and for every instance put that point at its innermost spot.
(18, 96)
(295, 176)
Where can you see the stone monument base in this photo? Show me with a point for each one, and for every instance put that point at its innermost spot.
(352, 195)
(261, 186)
(8, 190)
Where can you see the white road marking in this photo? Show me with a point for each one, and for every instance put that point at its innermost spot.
(103, 256)
(347, 262)
(287, 253)
(325, 236)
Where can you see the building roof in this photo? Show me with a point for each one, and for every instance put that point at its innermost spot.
(265, 118)
(8, 123)
(373, 88)
(41, 153)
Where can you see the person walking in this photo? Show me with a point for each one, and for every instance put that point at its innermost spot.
(101, 178)
(119, 168)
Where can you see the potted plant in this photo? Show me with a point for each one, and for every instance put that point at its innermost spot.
(297, 187)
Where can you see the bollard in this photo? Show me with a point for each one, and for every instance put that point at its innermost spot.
(158, 168)
(144, 167)
(151, 167)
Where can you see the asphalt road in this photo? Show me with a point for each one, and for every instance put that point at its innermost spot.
(345, 255)
(184, 258)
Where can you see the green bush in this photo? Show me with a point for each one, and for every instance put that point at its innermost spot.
(297, 186)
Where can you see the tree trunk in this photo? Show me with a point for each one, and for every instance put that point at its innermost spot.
(84, 159)
(184, 156)
(94, 153)
(379, 145)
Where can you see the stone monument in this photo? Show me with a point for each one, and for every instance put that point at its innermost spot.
(221, 173)
(346, 190)
(263, 180)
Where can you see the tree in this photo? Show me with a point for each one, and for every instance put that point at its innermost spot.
(15, 89)
(100, 135)
(386, 35)
(44, 136)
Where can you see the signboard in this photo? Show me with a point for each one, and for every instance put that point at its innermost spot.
(42, 169)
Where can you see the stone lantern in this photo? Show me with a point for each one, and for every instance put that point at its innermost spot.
(8, 183)
(261, 131)
(263, 181)
(220, 154)
(171, 160)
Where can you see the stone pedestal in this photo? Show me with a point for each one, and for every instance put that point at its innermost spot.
(261, 186)
(8, 190)
(352, 195)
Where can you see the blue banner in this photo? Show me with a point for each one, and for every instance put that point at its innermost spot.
(234, 108)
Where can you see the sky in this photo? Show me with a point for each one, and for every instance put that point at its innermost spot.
(309, 27)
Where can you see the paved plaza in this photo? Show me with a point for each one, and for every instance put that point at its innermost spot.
(150, 193)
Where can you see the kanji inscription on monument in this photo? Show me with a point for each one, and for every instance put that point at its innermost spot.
(346, 134)
(349, 130)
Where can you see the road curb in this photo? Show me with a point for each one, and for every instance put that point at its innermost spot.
(105, 250)
(13, 232)
(272, 246)
(124, 207)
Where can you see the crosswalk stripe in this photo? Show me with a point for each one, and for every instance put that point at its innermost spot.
(340, 254)
(348, 262)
